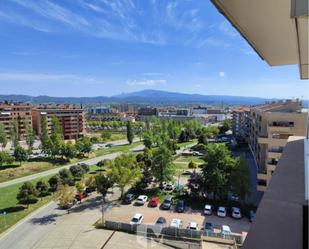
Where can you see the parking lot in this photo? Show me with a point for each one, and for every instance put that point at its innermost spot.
(124, 213)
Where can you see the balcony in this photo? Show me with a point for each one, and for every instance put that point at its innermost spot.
(271, 167)
(279, 142)
(262, 176)
(273, 154)
(279, 129)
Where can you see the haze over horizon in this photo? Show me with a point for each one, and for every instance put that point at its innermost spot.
(102, 48)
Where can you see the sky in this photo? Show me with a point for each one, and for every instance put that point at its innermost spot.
(108, 47)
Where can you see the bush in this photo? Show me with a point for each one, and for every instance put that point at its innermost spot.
(42, 188)
(27, 194)
(66, 177)
(200, 148)
(77, 172)
(192, 165)
(54, 182)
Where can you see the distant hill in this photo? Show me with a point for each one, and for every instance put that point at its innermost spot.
(144, 97)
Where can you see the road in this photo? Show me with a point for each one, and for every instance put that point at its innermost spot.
(56, 170)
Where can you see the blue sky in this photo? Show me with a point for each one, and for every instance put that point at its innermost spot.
(102, 47)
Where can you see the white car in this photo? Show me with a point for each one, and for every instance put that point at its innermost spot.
(177, 223)
(169, 187)
(193, 226)
(225, 230)
(208, 209)
(236, 213)
(141, 200)
(137, 219)
(221, 212)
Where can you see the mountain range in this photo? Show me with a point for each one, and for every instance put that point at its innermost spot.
(144, 97)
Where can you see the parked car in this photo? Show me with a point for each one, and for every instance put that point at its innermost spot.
(236, 213)
(109, 145)
(167, 203)
(81, 196)
(141, 200)
(128, 198)
(161, 221)
(187, 172)
(209, 227)
(137, 219)
(177, 223)
(251, 215)
(193, 226)
(169, 187)
(162, 185)
(208, 209)
(221, 212)
(225, 230)
(234, 197)
(180, 206)
(154, 201)
(82, 164)
(197, 153)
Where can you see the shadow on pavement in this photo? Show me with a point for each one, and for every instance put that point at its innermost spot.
(45, 220)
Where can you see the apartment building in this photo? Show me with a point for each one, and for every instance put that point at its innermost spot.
(71, 118)
(15, 112)
(240, 118)
(270, 127)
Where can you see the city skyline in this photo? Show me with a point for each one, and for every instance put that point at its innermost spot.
(102, 48)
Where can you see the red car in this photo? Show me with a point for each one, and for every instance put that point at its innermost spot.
(154, 202)
(79, 196)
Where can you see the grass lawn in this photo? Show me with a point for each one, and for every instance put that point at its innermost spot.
(114, 135)
(16, 212)
(119, 148)
(186, 144)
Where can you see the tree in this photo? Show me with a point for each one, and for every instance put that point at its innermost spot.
(192, 165)
(54, 181)
(90, 182)
(14, 133)
(130, 132)
(148, 139)
(217, 170)
(56, 138)
(42, 188)
(3, 139)
(65, 195)
(68, 150)
(66, 177)
(80, 186)
(30, 138)
(240, 179)
(77, 172)
(124, 171)
(27, 194)
(20, 154)
(103, 163)
(84, 146)
(184, 136)
(225, 126)
(5, 158)
(162, 167)
(103, 183)
(202, 139)
(45, 140)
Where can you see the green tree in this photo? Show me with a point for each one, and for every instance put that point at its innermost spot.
(27, 194)
(130, 132)
(83, 146)
(30, 138)
(162, 167)
(3, 138)
(66, 177)
(90, 182)
(217, 170)
(42, 188)
(103, 183)
(240, 179)
(192, 165)
(68, 150)
(20, 154)
(54, 181)
(14, 133)
(202, 139)
(56, 138)
(148, 139)
(5, 158)
(225, 126)
(124, 170)
(45, 140)
(65, 195)
(77, 172)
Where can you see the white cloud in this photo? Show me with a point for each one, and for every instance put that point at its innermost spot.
(146, 82)
(222, 74)
(227, 29)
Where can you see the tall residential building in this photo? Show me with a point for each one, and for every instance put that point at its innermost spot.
(270, 127)
(71, 119)
(15, 112)
(241, 123)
